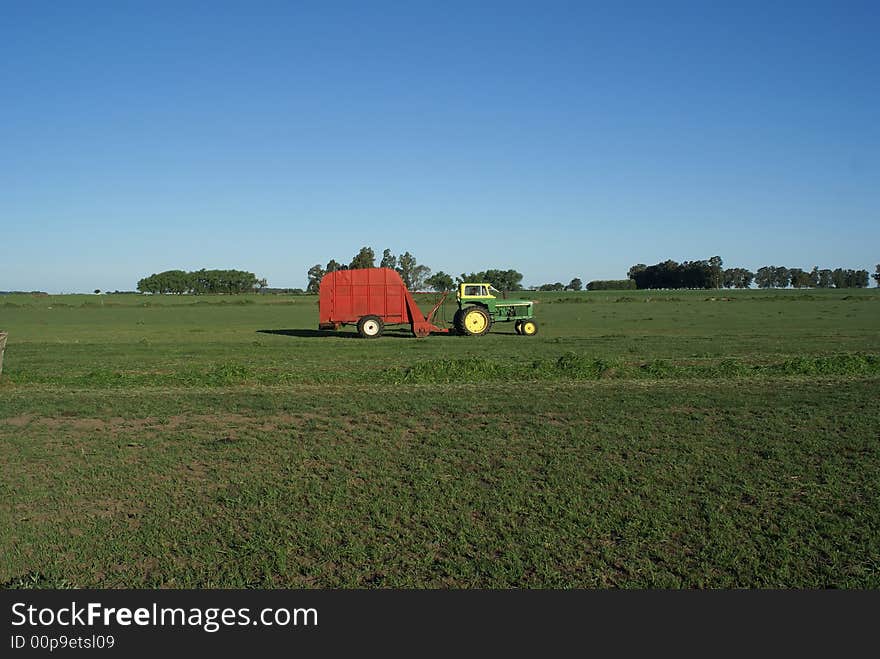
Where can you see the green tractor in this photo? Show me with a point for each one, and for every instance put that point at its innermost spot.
(478, 309)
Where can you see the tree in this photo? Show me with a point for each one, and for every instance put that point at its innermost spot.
(764, 277)
(635, 270)
(411, 272)
(746, 277)
(670, 274)
(800, 278)
(503, 280)
(824, 279)
(333, 265)
(838, 277)
(388, 260)
(716, 274)
(558, 286)
(147, 284)
(876, 275)
(170, 281)
(737, 278)
(201, 282)
(665, 275)
(697, 274)
(440, 282)
(315, 274)
(728, 279)
(781, 276)
(177, 282)
(575, 285)
(364, 259)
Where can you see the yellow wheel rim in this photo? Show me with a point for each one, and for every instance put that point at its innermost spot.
(475, 322)
(528, 328)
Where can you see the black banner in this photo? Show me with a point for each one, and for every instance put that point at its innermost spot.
(138, 621)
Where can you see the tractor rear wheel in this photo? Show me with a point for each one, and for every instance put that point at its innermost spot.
(529, 328)
(475, 321)
(370, 327)
(458, 321)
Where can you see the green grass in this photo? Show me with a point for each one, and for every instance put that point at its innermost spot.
(642, 439)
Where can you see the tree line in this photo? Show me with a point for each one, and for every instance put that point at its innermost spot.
(180, 282)
(670, 274)
(709, 273)
(705, 274)
(415, 276)
(771, 276)
(574, 285)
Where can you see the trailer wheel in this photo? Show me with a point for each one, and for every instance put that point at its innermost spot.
(370, 327)
(529, 328)
(517, 326)
(476, 321)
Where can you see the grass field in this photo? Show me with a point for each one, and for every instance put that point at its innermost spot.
(641, 439)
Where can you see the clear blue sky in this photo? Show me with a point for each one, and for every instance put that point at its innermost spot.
(560, 139)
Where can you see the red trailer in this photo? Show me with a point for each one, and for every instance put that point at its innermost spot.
(371, 298)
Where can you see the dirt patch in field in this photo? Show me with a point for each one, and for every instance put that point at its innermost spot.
(119, 423)
(230, 427)
(73, 423)
(198, 474)
(17, 421)
(223, 428)
(41, 512)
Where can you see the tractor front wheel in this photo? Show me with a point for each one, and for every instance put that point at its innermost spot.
(529, 328)
(475, 321)
(370, 327)
(517, 327)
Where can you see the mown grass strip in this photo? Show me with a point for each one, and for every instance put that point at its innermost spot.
(566, 366)
(584, 367)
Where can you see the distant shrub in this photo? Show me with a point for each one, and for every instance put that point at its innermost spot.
(844, 364)
(571, 299)
(612, 285)
(584, 367)
(281, 291)
(658, 368)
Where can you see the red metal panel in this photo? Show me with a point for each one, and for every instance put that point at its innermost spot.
(345, 296)
(395, 308)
